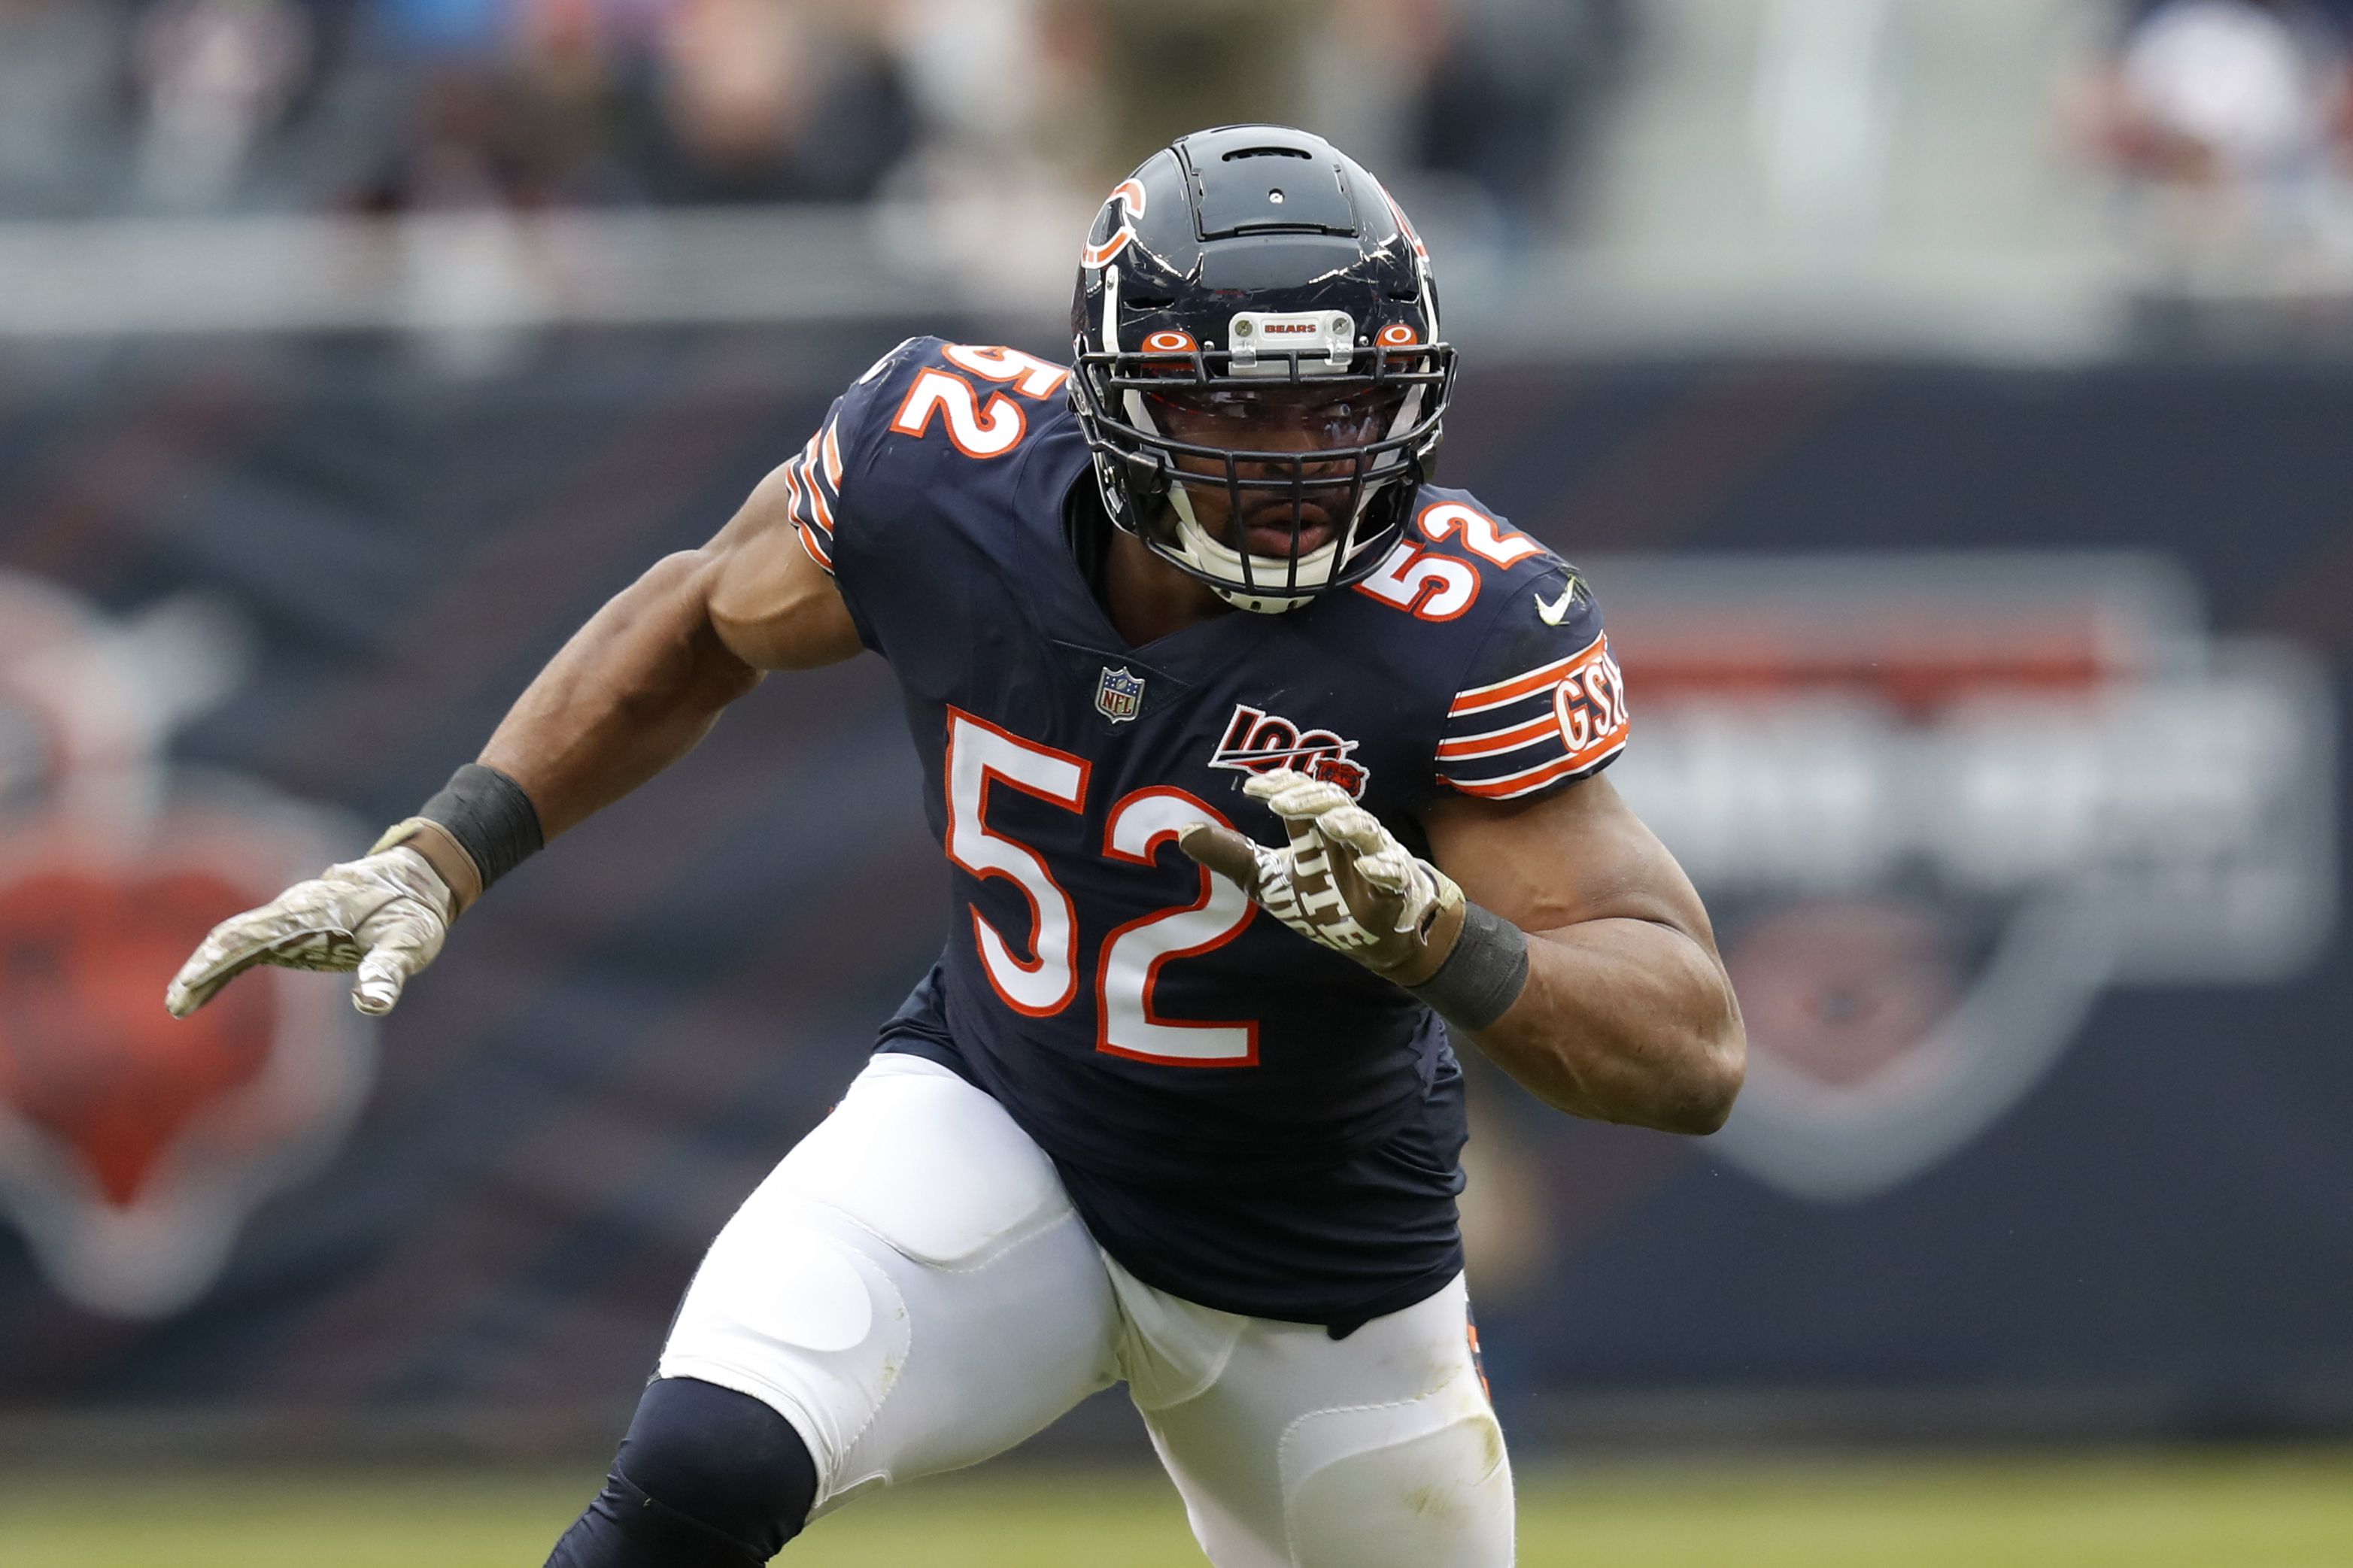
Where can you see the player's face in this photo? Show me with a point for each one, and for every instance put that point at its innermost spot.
(1275, 421)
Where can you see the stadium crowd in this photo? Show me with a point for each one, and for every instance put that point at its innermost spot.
(210, 106)
(2228, 125)
(2222, 91)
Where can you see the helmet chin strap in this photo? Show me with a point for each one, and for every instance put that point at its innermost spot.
(1260, 606)
(1223, 565)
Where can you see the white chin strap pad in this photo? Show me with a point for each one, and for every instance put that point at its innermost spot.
(1259, 605)
(1224, 567)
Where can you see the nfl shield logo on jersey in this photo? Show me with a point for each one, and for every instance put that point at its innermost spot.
(1119, 695)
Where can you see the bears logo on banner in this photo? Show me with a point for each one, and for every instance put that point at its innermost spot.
(1938, 805)
(133, 1146)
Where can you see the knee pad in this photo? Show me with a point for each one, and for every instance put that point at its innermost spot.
(1400, 1487)
(707, 1477)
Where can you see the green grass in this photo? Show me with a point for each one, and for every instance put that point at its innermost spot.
(2238, 1508)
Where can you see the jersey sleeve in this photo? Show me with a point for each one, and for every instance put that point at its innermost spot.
(818, 477)
(813, 487)
(1541, 703)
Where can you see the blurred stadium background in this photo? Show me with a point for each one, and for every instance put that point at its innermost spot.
(1950, 402)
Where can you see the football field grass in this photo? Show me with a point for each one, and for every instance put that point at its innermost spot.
(2236, 1509)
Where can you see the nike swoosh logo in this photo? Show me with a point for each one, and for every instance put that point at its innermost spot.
(1553, 613)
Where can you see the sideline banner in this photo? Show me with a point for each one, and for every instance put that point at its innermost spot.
(1997, 714)
(1939, 802)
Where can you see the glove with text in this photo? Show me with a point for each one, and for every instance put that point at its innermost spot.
(1343, 881)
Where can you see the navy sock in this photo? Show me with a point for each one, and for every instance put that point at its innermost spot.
(706, 1478)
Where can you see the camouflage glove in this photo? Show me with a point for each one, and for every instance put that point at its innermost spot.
(1343, 881)
(385, 915)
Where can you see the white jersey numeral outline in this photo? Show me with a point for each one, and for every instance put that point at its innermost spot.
(1433, 587)
(1127, 1025)
(980, 754)
(1436, 587)
(1031, 376)
(1481, 535)
(977, 429)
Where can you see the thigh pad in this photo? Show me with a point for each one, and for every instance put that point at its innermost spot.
(929, 1164)
(909, 1287)
(1400, 1487)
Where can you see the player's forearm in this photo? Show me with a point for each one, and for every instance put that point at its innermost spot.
(1624, 1020)
(632, 692)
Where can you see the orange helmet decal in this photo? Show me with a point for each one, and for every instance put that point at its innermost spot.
(1128, 197)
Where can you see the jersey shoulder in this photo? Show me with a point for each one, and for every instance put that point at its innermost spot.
(1534, 700)
(929, 420)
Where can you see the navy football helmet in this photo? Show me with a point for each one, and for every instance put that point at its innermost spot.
(1258, 371)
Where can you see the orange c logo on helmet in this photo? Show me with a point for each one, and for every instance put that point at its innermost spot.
(1405, 224)
(1169, 343)
(1397, 335)
(1128, 197)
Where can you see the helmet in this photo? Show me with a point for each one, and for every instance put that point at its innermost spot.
(1247, 277)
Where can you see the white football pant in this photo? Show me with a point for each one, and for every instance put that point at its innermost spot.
(912, 1289)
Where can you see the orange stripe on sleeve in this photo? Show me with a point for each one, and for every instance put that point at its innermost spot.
(809, 543)
(1496, 742)
(1536, 778)
(832, 457)
(816, 504)
(1480, 698)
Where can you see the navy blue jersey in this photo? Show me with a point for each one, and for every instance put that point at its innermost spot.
(1178, 1057)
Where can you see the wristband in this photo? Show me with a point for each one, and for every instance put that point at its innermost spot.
(490, 818)
(1482, 976)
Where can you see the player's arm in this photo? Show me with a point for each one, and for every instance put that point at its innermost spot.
(630, 693)
(1626, 1013)
(1571, 948)
(643, 681)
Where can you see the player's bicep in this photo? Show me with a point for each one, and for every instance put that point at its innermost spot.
(766, 588)
(1576, 856)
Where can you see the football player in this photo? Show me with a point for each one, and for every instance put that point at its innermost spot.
(1266, 775)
